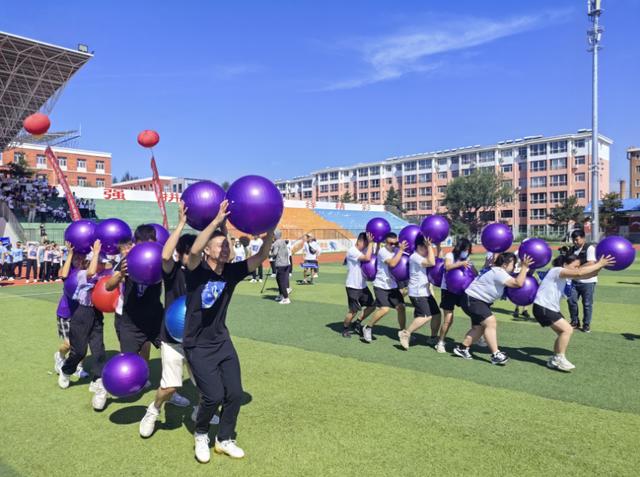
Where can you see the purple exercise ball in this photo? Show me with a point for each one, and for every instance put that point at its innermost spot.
(436, 273)
(435, 227)
(110, 232)
(202, 201)
(524, 295)
(378, 227)
(409, 234)
(255, 205)
(496, 237)
(71, 283)
(125, 374)
(401, 271)
(619, 248)
(369, 269)
(538, 250)
(458, 279)
(144, 263)
(81, 234)
(162, 234)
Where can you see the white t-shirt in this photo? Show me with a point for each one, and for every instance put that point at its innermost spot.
(240, 255)
(255, 245)
(591, 257)
(551, 290)
(384, 279)
(449, 256)
(490, 286)
(307, 250)
(418, 279)
(355, 278)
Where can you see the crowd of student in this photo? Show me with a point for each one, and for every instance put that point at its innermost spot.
(33, 261)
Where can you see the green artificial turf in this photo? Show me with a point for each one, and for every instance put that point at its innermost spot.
(317, 404)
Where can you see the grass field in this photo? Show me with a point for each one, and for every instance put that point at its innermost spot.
(320, 405)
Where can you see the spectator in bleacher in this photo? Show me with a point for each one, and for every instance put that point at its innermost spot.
(42, 209)
(31, 218)
(43, 231)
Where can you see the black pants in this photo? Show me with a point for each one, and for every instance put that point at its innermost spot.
(7, 269)
(258, 272)
(86, 328)
(41, 271)
(55, 271)
(32, 264)
(217, 374)
(282, 278)
(17, 269)
(272, 264)
(47, 271)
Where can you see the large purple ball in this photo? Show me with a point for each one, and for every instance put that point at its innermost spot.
(71, 283)
(458, 279)
(378, 227)
(144, 263)
(81, 234)
(255, 205)
(496, 237)
(202, 201)
(401, 271)
(110, 232)
(524, 295)
(409, 234)
(162, 234)
(435, 227)
(369, 269)
(538, 250)
(125, 374)
(619, 248)
(436, 273)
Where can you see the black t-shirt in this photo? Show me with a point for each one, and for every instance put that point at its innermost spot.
(208, 297)
(142, 305)
(175, 285)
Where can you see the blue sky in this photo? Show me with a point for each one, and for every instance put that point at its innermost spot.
(281, 88)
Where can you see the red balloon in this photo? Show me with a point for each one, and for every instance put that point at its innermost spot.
(104, 300)
(36, 124)
(148, 138)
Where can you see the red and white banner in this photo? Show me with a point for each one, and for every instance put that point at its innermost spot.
(157, 188)
(53, 162)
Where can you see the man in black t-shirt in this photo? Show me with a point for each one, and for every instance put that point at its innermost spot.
(212, 358)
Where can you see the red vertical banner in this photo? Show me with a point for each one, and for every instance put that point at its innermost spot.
(157, 188)
(53, 162)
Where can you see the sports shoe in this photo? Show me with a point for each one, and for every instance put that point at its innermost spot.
(440, 348)
(499, 358)
(561, 363)
(285, 301)
(346, 333)
(404, 335)
(575, 324)
(462, 352)
(81, 373)
(357, 327)
(203, 453)
(273, 275)
(515, 314)
(253, 280)
(432, 340)
(525, 314)
(482, 343)
(215, 420)
(178, 400)
(148, 423)
(278, 298)
(260, 280)
(366, 334)
(586, 328)
(99, 399)
(63, 380)
(228, 447)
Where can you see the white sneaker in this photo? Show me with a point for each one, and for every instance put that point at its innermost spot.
(148, 423)
(99, 399)
(564, 364)
(260, 280)
(228, 447)
(215, 420)
(81, 373)
(63, 380)
(285, 301)
(253, 280)
(482, 342)
(273, 275)
(203, 453)
(178, 400)
(404, 335)
(440, 348)
(366, 334)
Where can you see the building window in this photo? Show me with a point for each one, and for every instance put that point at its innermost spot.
(425, 204)
(539, 182)
(506, 214)
(560, 163)
(410, 166)
(389, 180)
(442, 175)
(166, 188)
(307, 184)
(333, 187)
(523, 197)
(333, 176)
(99, 182)
(388, 168)
(425, 177)
(506, 168)
(522, 152)
(363, 184)
(538, 149)
(41, 162)
(559, 180)
(455, 173)
(467, 158)
(412, 179)
(522, 213)
(425, 190)
(410, 206)
(441, 203)
(580, 177)
(324, 189)
(522, 183)
(410, 193)
(637, 169)
(375, 196)
(82, 164)
(82, 181)
(442, 189)
(506, 153)
(375, 170)
(323, 177)
(539, 198)
(363, 196)
(99, 166)
(334, 198)
(537, 166)
(375, 183)
(62, 162)
(538, 214)
(557, 197)
(580, 160)
(306, 194)
(424, 163)
(637, 183)
(579, 143)
(556, 147)
(467, 172)
(580, 194)
(363, 172)
(486, 156)
(442, 161)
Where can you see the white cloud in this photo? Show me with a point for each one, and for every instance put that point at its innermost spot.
(393, 56)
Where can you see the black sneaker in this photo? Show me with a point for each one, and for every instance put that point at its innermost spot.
(525, 314)
(357, 327)
(346, 333)
(515, 314)
(462, 352)
(575, 324)
(586, 329)
(499, 358)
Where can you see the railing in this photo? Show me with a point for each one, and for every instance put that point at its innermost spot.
(12, 220)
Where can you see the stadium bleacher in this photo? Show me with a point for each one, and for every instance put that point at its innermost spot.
(355, 221)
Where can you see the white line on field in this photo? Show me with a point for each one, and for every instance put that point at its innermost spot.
(29, 294)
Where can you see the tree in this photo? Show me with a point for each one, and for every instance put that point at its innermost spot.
(346, 197)
(225, 186)
(393, 199)
(128, 177)
(567, 211)
(19, 168)
(471, 199)
(609, 209)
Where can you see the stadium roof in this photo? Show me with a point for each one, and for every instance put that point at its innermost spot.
(32, 74)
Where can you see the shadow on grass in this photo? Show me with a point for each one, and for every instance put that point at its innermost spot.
(527, 354)
(629, 283)
(631, 336)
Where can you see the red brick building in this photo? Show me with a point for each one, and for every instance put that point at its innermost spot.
(633, 155)
(80, 167)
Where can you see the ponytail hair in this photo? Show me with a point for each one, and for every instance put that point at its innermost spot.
(505, 259)
(563, 259)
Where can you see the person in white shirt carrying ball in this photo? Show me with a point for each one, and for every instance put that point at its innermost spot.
(358, 294)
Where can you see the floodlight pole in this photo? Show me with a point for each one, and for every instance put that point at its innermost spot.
(594, 36)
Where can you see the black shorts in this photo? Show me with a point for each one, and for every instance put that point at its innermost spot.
(388, 298)
(424, 306)
(545, 316)
(449, 300)
(477, 310)
(132, 336)
(357, 299)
